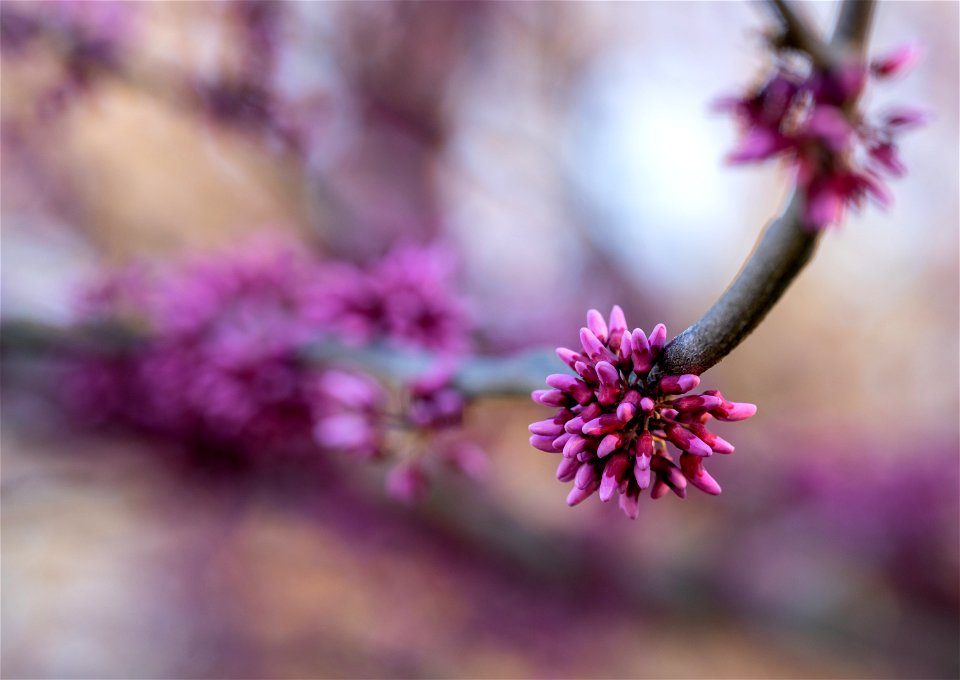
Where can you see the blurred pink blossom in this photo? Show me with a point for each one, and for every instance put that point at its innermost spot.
(839, 157)
(419, 429)
(405, 299)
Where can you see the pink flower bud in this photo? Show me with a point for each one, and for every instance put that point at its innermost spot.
(613, 427)
(641, 471)
(578, 495)
(612, 473)
(886, 155)
(547, 428)
(591, 411)
(544, 443)
(618, 326)
(644, 446)
(593, 346)
(605, 424)
(670, 474)
(570, 385)
(678, 384)
(626, 411)
(687, 441)
(574, 425)
(901, 120)
(718, 444)
(696, 402)
(551, 398)
(609, 444)
(568, 356)
(567, 470)
(626, 348)
(899, 60)
(574, 446)
(732, 411)
(597, 325)
(756, 145)
(586, 476)
(692, 467)
(587, 372)
(659, 489)
(630, 504)
(608, 373)
(658, 338)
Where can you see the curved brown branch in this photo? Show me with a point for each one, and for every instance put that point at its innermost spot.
(798, 34)
(783, 249)
(853, 25)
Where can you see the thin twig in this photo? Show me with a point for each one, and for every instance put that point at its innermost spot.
(798, 34)
(853, 25)
(474, 375)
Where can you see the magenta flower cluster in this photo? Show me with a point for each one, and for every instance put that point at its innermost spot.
(613, 424)
(840, 158)
(219, 365)
(402, 299)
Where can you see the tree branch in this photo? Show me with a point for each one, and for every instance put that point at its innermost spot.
(782, 251)
(476, 376)
(798, 34)
(853, 25)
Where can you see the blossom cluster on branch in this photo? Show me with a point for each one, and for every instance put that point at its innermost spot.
(220, 367)
(804, 113)
(613, 425)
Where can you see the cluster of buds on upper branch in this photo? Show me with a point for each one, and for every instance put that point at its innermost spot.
(810, 118)
(613, 424)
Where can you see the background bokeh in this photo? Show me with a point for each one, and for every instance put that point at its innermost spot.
(568, 156)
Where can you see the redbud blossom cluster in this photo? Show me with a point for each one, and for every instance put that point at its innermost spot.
(839, 156)
(219, 366)
(613, 424)
(402, 299)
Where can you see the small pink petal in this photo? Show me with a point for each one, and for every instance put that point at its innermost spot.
(899, 60)
(693, 470)
(567, 470)
(597, 325)
(586, 475)
(544, 443)
(609, 444)
(630, 504)
(612, 474)
(678, 384)
(578, 495)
